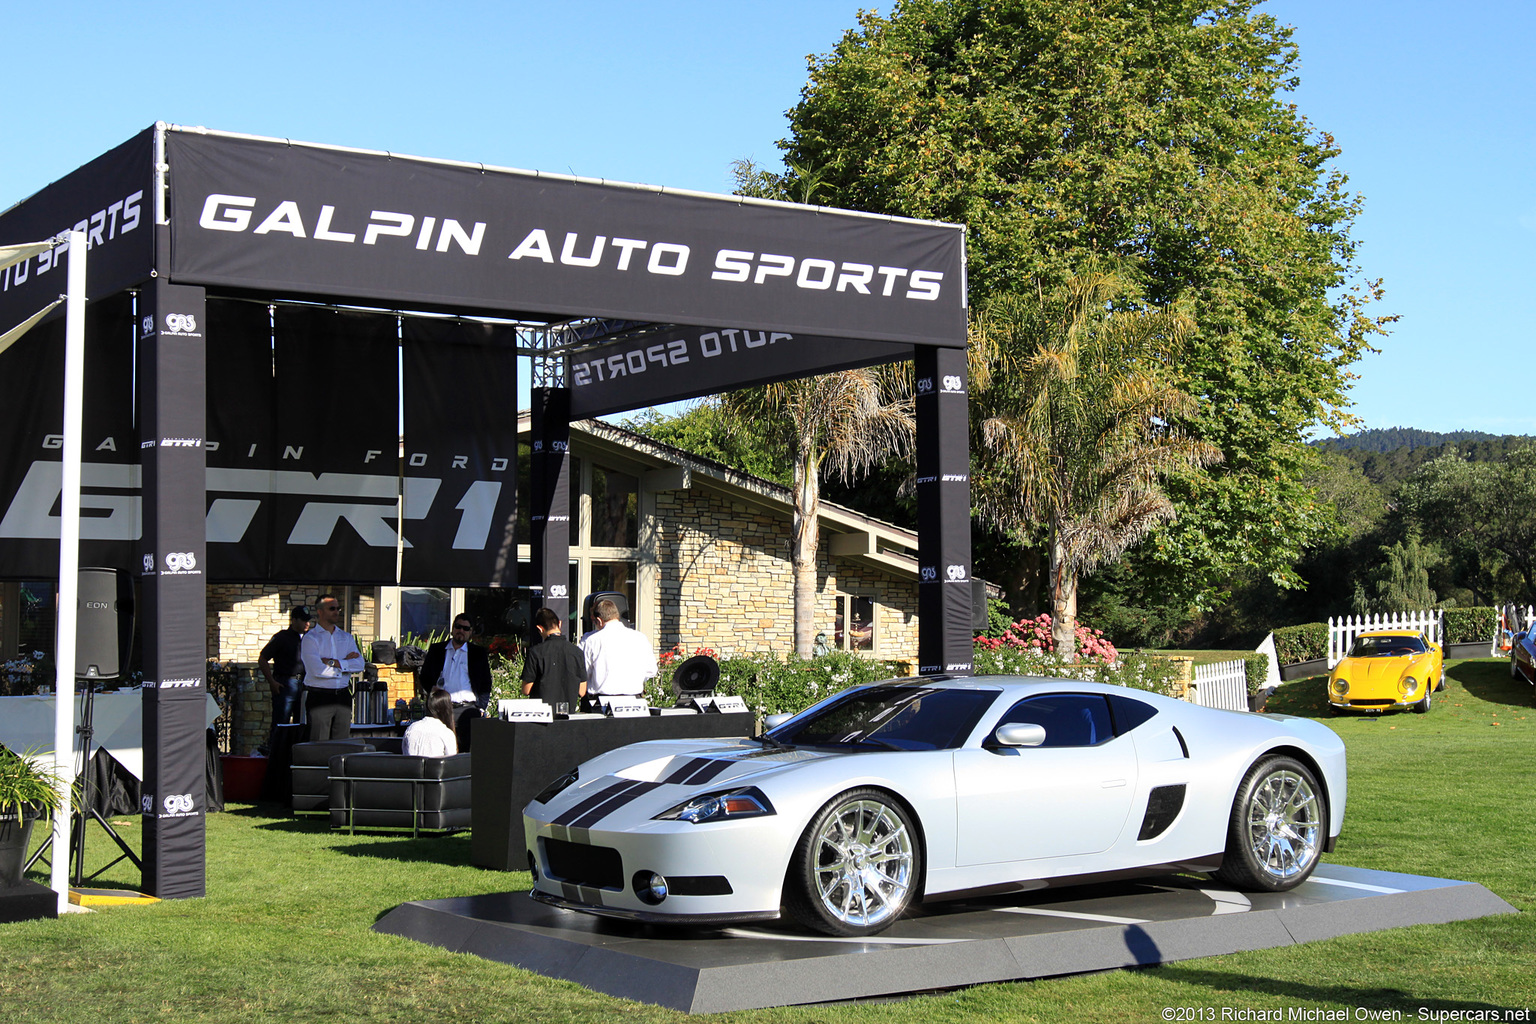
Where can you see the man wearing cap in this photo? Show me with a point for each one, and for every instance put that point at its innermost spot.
(330, 656)
(464, 670)
(284, 669)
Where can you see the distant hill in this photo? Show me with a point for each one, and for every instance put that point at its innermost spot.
(1391, 438)
(1389, 456)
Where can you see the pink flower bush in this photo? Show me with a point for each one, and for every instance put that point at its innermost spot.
(1035, 635)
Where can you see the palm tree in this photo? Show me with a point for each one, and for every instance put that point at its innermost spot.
(843, 423)
(1076, 405)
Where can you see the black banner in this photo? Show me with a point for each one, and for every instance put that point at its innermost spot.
(173, 605)
(31, 467)
(945, 641)
(242, 440)
(668, 366)
(460, 459)
(110, 200)
(283, 217)
(335, 458)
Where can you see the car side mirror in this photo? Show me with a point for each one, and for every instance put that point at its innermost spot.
(774, 721)
(1020, 734)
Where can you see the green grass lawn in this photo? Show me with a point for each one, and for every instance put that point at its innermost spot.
(284, 933)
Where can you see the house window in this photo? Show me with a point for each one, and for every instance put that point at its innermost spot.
(615, 509)
(854, 626)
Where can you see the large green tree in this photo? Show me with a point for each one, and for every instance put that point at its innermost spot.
(1153, 138)
(1074, 414)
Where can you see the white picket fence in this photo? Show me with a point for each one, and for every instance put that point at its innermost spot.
(1343, 631)
(1222, 685)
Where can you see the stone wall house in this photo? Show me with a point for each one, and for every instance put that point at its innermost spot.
(701, 551)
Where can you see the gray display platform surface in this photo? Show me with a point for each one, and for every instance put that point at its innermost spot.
(942, 945)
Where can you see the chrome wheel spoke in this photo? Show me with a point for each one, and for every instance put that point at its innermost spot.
(864, 863)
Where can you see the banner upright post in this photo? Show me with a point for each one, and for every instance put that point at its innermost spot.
(945, 641)
(550, 497)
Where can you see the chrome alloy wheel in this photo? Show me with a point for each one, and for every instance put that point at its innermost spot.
(863, 859)
(1284, 822)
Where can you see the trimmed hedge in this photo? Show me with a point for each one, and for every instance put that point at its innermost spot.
(1470, 625)
(1256, 666)
(1306, 642)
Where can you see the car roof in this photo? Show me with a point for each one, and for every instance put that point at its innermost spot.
(1021, 685)
(1392, 632)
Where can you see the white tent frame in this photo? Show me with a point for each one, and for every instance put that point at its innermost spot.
(69, 529)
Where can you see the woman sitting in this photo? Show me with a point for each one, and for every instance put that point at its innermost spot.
(433, 736)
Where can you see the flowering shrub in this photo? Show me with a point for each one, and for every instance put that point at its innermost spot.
(669, 659)
(770, 685)
(1035, 635)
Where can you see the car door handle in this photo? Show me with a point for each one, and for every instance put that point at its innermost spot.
(1113, 783)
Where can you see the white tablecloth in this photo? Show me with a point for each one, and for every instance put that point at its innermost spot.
(27, 723)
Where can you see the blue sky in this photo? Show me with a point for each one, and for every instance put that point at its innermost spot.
(1432, 106)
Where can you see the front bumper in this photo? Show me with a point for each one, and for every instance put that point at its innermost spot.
(719, 871)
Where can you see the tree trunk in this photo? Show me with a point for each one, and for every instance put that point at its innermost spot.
(1063, 602)
(803, 550)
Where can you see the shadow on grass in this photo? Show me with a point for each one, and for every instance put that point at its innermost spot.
(1488, 679)
(1307, 697)
(449, 850)
(1374, 997)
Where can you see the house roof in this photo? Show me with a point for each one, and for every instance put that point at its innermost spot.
(850, 534)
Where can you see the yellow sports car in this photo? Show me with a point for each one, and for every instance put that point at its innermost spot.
(1387, 669)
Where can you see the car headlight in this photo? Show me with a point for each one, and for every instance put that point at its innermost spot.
(559, 786)
(1407, 685)
(1339, 686)
(725, 805)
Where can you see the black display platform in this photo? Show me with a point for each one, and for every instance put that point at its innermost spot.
(945, 945)
(28, 901)
(515, 760)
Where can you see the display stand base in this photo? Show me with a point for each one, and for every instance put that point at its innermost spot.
(943, 945)
(28, 901)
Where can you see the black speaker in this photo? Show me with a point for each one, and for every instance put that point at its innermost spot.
(696, 677)
(96, 637)
(589, 621)
(978, 605)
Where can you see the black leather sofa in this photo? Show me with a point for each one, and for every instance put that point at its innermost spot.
(375, 790)
(312, 771)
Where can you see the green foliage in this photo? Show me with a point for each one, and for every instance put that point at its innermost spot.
(1138, 671)
(1470, 625)
(771, 685)
(27, 784)
(1256, 668)
(1306, 642)
(709, 431)
(1155, 139)
(1399, 581)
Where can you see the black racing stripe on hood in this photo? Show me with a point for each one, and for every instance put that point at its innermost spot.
(601, 796)
(706, 771)
(632, 791)
(682, 771)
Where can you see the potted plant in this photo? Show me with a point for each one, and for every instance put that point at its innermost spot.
(28, 790)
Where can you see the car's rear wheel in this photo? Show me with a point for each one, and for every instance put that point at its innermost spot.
(1276, 831)
(856, 867)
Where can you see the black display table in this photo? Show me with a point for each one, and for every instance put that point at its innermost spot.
(513, 761)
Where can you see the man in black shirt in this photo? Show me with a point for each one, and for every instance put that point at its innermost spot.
(554, 669)
(283, 668)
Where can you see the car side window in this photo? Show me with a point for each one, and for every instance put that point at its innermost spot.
(1128, 713)
(1070, 719)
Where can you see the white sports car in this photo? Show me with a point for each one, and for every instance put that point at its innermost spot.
(936, 788)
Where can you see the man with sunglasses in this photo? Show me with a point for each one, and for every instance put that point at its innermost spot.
(330, 657)
(464, 670)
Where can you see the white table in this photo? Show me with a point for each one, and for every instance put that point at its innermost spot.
(26, 723)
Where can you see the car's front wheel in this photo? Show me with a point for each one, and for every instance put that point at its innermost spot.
(1276, 831)
(856, 867)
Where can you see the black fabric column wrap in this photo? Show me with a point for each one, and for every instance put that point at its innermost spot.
(945, 643)
(550, 503)
(173, 604)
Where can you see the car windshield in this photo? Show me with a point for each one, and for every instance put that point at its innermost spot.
(896, 717)
(1386, 646)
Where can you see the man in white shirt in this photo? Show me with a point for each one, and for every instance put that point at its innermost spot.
(619, 659)
(330, 657)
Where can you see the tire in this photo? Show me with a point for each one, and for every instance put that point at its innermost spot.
(1421, 706)
(856, 867)
(1276, 831)
(1514, 667)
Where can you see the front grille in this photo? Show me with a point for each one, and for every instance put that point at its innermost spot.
(598, 867)
(1374, 703)
(699, 885)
